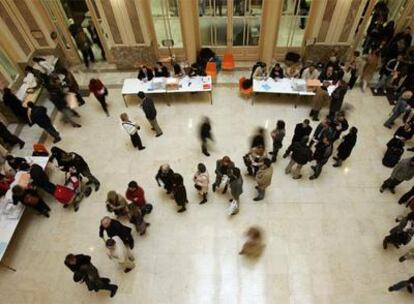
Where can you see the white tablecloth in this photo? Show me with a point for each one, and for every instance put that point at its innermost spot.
(9, 221)
(280, 86)
(186, 84)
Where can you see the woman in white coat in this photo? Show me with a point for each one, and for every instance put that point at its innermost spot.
(201, 181)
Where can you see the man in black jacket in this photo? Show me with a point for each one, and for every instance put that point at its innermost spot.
(323, 150)
(301, 154)
(205, 135)
(38, 115)
(114, 227)
(150, 112)
(302, 130)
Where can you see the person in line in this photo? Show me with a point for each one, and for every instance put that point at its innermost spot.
(84, 271)
(205, 135)
(254, 159)
(118, 251)
(409, 284)
(95, 37)
(302, 130)
(399, 108)
(136, 195)
(236, 189)
(72, 85)
(223, 167)
(277, 137)
(407, 197)
(115, 228)
(10, 138)
(15, 105)
(337, 98)
(150, 112)
(66, 160)
(201, 181)
(165, 177)
(160, 70)
(145, 73)
(320, 99)
(180, 193)
(100, 91)
(323, 150)
(310, 73)
(136, 217)
(276, 72)
(116, 203)
(301, 155)
(258, 138)
(30, 198)
(403, 171)
(388, 73)
(38, 115)
(253, 247)
(263, 179)
(345, 147)
(324, 129)
(132, 129)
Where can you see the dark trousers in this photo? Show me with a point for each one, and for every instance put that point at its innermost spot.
(102, 101)
(400, 285)
(52, 131)
(390, 183)
(406, 196)
(136, 141)
(79, 98)
(46, 185)
(128, 241)
(204, 145)
(91, 179)
(87, 55)
(353, 79)
(11, 139)
(41, 207)
(318, 168)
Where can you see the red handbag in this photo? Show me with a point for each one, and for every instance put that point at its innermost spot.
(64, 195)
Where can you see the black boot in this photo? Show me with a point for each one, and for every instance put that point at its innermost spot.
(204, 199)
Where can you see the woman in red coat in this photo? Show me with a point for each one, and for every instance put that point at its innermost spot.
(99, 90)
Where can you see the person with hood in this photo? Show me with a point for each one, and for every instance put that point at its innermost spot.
(399, 108)
(165, 177)
(150, 112)
(323, 150)
(403, 171)
(345, 147)
(236, 189)
(263, 179)
(38, 115)
(15, 105)
(201, 182)
(301, 155)
(180, 193)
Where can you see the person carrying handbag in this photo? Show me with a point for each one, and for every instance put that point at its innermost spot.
(132, 129)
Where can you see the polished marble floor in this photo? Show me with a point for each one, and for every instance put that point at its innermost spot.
(323, 237)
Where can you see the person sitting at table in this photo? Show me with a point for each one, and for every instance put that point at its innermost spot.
(178, 71)
(276, 72)
(161, 70)
(15, 162)
(292, 71)
(196, 70)
(259, 70)
(30, 198)
(145, 73)
(328, 75)
(310, 73)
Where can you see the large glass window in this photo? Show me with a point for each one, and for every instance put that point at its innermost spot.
(246, 22)
(213, 22)
(165, 17)
(7, 66)
(295, 14)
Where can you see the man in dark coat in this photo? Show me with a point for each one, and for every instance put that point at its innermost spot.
(165, 175)
(114, 227)
(8, 137)
(41, 180)
(337, 98)
(38, 115)
(339, 125)
(205, 135)
(14, 104)
(180, 193)
(150, 112)
(302, 130)
(323, 150)
(301, 155)
(345, 147)
(95, 38)
(223, 167)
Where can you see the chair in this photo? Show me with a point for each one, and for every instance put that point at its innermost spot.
(211, 70)
(244, 92)
(228, 62)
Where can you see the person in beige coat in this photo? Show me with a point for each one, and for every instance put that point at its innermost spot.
(201, 181)
(263, 178)
(116, 203)
(253, 247)
(320, 99)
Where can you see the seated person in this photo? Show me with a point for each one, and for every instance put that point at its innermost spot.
(160, 70)
(310, 73)
(145, 73)
(276, 72)
(292, 71)
(178, 71)
(259, 70)
(196, 70)
(328, 75)
(30, 198)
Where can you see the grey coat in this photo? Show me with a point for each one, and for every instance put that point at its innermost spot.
(403, 171)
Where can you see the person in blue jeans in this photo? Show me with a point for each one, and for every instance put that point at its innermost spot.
(400, 107)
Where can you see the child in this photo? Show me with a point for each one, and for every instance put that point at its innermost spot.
(132, 130)
(201, 180)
